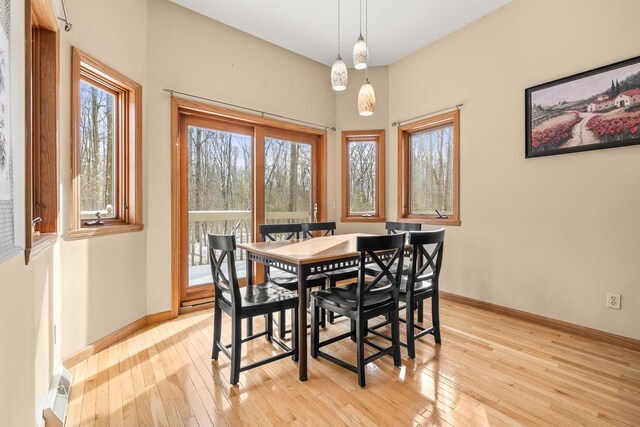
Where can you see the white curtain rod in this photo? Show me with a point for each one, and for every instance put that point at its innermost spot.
(262, 113)
(399, 122)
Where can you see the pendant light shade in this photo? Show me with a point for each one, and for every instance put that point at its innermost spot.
(339, 75)
(360, 54)
(366, 99)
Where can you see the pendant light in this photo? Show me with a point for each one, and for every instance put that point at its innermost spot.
(366, 99)
(366, 96)
(339, 75)
(360, 50)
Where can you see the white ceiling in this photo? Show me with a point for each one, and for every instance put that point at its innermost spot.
(309, 28)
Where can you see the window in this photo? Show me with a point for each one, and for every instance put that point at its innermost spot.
(363, 176)
(107, 117)
(41, 129)
(429, 157)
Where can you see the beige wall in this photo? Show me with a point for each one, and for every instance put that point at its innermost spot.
(103, 284)
(550, 235)
(27, 314)
(194, 54)
(347, 118)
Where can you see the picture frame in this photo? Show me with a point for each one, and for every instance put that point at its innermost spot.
(592, 110)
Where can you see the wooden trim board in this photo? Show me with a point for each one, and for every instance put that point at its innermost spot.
(114, 337)
(559, 325)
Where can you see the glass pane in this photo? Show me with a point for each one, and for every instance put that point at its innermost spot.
(362, 177)
(97, 152)
(431, 171)
(219, 181)
(287, 181)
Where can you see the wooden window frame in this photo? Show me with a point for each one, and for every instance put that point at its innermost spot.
(128, 147)
(356, 136)
(42, 98)
(404, 132)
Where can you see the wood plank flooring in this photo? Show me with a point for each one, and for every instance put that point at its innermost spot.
(489, 370)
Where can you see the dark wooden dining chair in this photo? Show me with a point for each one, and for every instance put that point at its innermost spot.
(244, 303)
(362, 301)
(422, 283)
(405, 228)
(333, 277)
(281, 277)
(321, 228)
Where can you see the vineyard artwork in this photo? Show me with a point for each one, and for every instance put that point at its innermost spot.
(589, 111)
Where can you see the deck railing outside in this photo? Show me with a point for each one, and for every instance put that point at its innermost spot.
(229, 222)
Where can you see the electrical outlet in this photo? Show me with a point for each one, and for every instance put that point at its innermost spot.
(333, 205)
(613, 300)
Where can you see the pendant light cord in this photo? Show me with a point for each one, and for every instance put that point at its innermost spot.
(360, 18)
(366, 34)
(338, 28)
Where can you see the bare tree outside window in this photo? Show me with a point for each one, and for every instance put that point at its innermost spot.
(362, 177)
(287, 180)
(97, 152)
(431, 170)
(219, 167)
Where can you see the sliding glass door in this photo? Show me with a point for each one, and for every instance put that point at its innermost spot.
(234, 177)
(288, 185)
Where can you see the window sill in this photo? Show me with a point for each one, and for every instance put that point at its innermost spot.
(39, 245)
(363, 219)
(104, 230)
(432, 220)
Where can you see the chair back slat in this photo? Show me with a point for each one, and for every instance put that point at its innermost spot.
(389, 247)
(401, 227)
(225, 245)
(327, 229)
(273, 232)
(428, 249)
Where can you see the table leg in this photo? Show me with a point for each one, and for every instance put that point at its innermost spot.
(249, 283)
(302, 322)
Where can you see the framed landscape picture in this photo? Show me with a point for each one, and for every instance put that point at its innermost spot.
(588, 111)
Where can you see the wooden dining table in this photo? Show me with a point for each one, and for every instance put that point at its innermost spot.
(303, 258)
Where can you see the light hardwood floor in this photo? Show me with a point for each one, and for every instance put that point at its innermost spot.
(489, 370)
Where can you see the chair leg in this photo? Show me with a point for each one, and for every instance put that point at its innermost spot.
(395, 338)
(294, 331)
(353, 330)
(435, 315)
(360, 353)
(268, 318)
(421, 311)
(249, 326)
(282, 325)
(315, 329)
(217, 331)
(330, 314)
(411, 341)
(236, 348)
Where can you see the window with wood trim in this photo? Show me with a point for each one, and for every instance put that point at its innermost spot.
(363, 176)
(42, 79)
(107, 150)
(429, 172)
